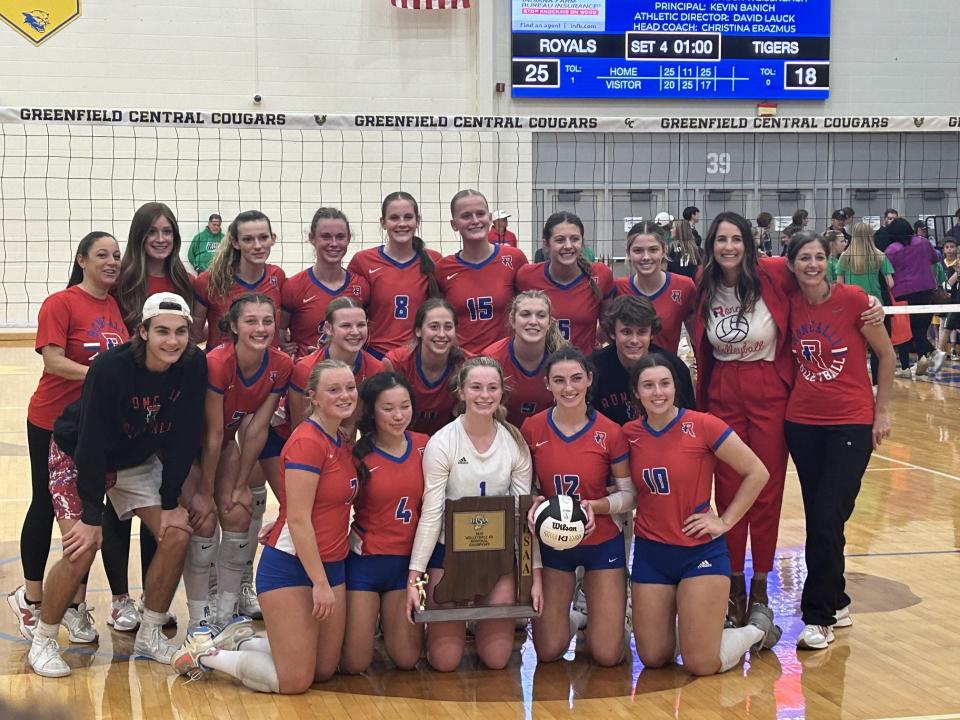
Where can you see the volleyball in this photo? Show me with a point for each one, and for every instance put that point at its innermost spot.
(733, 329)
(560, 522)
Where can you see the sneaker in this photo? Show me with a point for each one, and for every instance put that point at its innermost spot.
(209, 640)
(815, 637)
(124, 616)
(938, 357)
(902, 373)
(152, 644)
(761, 616)
(79, 624)
(843, 618)
(169, 622)
(44, 657)
(249, 604)
(922, 364)
(27, 613)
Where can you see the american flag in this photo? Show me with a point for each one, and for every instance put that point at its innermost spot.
(431, 4)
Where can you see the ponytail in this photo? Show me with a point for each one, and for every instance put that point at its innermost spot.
(587, 270)
(427, 267)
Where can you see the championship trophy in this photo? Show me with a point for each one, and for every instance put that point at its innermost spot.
(485, 538)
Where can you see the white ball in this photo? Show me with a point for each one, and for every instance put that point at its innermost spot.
(560, 522)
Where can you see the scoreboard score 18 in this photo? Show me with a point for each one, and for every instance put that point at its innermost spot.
(689, 49)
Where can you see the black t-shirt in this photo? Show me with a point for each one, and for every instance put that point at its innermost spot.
(611, 395)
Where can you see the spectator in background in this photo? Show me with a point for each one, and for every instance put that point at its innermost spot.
(205, 243)
(499, 235)
(788, 232)
(664, 220)
(880, 237)
(800, 218)
(849, 212)
(692, 215)
(766, 238)
(838, 222)
(837, 243)
(912, 257)
(921, 229)
(683, 257)
(954, 232)
(951, 323)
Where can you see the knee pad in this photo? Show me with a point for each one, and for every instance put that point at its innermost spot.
(233, 551)
(202, 553)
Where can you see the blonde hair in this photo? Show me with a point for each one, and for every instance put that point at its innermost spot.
(862, 257)
(314, 380)
(460, 378)
(554, 339)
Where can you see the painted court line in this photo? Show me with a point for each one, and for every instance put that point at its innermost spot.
(918, 467)
(922, 717)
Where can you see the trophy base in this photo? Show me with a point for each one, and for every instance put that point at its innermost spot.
(475, 612)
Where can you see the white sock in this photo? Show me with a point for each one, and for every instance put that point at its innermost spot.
(258, 643)
(254, 669)
(43, 630)
(734, 644)
(256, 522)
(230, 566)
(201, 553)
(151, 617)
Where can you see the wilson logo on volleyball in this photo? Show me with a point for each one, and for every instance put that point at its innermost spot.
(37, 21)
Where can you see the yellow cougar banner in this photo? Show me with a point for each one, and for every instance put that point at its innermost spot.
(37, 20)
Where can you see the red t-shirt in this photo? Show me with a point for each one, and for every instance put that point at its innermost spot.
(480, 294)
(833, 384)
(433, 400)
(388, 509)
(575, 306)
(507, 238)
(269, 284)
(83, 326)
(527, 391)
(306, 299)
(365, 366)
(397, 290)
(576, 465)
(310, 448)
(673, 302)
(672, 470)
(243, 396)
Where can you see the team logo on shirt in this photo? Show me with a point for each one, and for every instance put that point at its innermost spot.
(675, 296)
(273, 280)
(153, 409)
(687, 429)
(814, 366)
(421, 451)
(507, 260)
(273, 376)
(356, 290)
(600, 438)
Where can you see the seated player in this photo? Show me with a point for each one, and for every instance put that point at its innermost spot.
(681, 569)
(389, 494)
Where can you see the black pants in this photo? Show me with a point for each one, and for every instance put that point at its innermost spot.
(38, 523)
(116, 550)
(919, 325)
(830, 461)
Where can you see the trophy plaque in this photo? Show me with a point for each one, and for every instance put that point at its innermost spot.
(485, 538)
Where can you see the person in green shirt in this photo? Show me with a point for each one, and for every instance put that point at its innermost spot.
(838, 243)
(205, 243)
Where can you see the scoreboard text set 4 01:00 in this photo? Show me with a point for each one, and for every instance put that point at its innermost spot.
(706, 49)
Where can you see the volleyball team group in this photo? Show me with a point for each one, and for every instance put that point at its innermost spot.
(366, 396)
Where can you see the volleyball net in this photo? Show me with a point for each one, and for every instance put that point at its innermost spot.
(65, 172)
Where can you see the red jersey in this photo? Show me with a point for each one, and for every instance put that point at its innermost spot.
(397, 290)
(576, 465)
(575, 306)
(243, 396)
(310, 448)
(832, 385)
(305, 298)
(388, 509)
(163, 284)
(83, 326)
(528, 393)
(672, 470)
(505, 238)
(433, 400)
(364, 366)
(480, 294)
(269, 284)
(674, 302)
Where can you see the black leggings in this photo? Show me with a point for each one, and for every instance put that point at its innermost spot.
(919, 325)
(38, 523)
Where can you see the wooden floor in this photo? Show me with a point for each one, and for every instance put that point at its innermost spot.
(900, 659)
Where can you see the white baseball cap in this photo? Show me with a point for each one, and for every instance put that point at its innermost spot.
(500, 215)
(663, 218)
(166, 303)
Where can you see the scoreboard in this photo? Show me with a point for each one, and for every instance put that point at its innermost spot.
(671, 49)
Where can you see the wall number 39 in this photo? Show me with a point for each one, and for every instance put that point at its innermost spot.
(718, 163)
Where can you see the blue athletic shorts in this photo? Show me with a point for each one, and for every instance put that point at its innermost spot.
(273, 445)
(377, 573)
(436, 558)
(609, 555)
(660, 564)
(278, 569)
